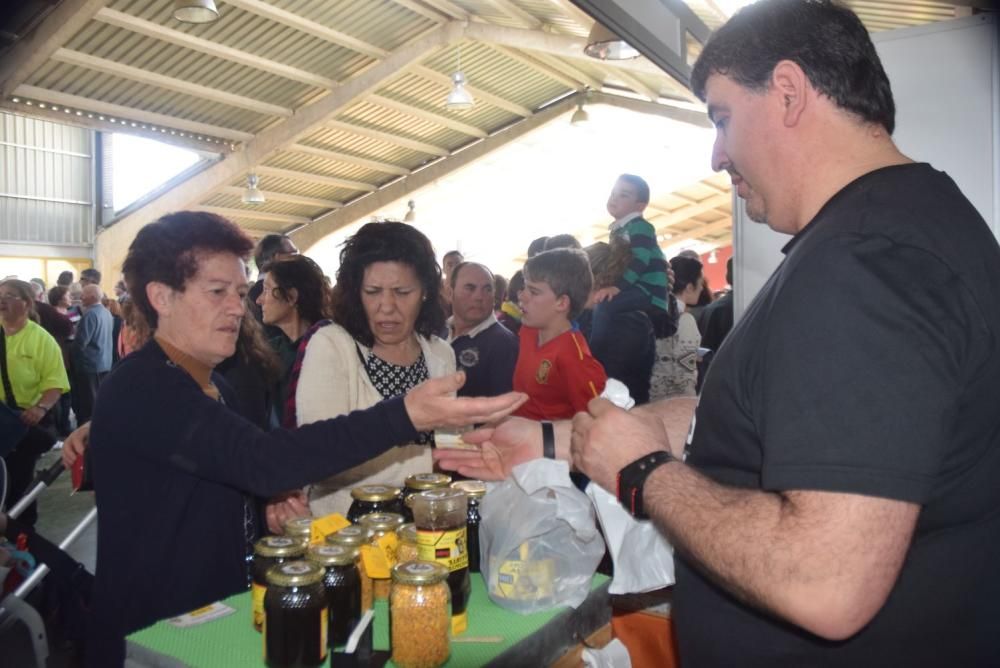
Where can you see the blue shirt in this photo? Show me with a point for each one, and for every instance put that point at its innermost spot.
(93, 344)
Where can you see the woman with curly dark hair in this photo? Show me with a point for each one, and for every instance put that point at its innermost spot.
(382, 343)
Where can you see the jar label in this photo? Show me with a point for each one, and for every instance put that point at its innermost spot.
(448, 548)
(257, 598)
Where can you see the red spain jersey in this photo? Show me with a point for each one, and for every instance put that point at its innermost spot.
(560, 377)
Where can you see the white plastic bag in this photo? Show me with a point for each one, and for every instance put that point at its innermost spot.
(538, 538)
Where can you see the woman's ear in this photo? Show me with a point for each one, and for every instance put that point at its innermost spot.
(292, 296)
(160, 296)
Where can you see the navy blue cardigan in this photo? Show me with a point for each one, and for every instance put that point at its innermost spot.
(171, 469)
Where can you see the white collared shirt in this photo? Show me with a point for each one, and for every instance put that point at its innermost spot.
(490, 320)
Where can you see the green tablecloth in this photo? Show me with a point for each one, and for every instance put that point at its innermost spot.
(232, 641)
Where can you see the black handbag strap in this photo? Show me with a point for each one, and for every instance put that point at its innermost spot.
(7, 389)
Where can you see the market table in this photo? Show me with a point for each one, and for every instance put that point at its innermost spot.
(538, 639)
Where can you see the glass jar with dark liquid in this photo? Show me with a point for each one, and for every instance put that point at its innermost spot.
(295, 616)
(343, 588)
(268, 552)
(374, 499)
(475, 490)
(440, 517)
(421, 482)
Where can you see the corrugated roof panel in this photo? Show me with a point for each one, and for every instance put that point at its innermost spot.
(430, 95)
(270, 206)
(373, 116)
(308, 189)
(549, 13)
(385, 25)
(304, 162)
(490, 12)
(338, 140)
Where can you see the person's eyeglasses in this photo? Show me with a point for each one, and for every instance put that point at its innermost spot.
(10, 297)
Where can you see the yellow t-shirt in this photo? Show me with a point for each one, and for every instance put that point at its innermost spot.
(34, 364)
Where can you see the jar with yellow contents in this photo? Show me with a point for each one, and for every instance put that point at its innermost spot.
(406, 549)
(381, 524)
(268, 552)
(419, 615)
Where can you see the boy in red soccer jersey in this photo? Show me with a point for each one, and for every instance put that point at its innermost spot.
(554, 366)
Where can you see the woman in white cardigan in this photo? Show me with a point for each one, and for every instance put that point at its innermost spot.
(381, 344)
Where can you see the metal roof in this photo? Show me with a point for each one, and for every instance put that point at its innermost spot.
(330, 101)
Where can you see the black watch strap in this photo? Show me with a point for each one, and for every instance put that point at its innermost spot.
(548, 440)
(632, 478)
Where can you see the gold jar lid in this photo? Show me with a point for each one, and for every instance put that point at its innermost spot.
(295, 574)
(278, 546)
(382, 522)
(332, 555)
(419, 573)
(476, 489)
(422, 481)
(407, 533)
(352, 535)
(300, 526)
(376, 493)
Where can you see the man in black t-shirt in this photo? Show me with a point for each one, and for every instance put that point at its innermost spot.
(839, 503)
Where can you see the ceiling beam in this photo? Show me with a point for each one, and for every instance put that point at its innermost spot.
(112, 243)
(273, 195)
(400, 189)
(349, 159)
(698, 118)
(564, 46)
(34, 50)
(582, 18)
(539, 66)
(108, 109)
(295, 175)
(570, 70)
(387, 137)
(636, 84)
(418, 7)
(510, 9)
(301, 24)
(255, 214)
(477, 93)
(170, 83)
(687, 212)
(439, 119)
(449, 8)
(157, 31)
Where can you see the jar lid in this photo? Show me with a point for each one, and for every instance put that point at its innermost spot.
(352, 535)
(295, 574)
(375, 493)
(476, 489)
(422, 481)
(300, 526)
(279, 546)
(407, 533)
(382, 521)
(419, 572)
(332, 555)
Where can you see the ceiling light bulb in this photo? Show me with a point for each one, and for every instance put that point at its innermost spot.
(195, 11)
(411, 213)
(458, 98)
(580, 116)
(605, 45)
(252, 195)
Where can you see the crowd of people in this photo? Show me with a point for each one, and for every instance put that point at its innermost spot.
(817, 497)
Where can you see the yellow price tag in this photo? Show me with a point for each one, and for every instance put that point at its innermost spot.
(326, 525)
(374, 561)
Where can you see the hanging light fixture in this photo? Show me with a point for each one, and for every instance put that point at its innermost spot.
(411, 213)
(458, 98)
(605, 45)
(580, 116)
(252, 195)
(195, 11)
(713, 258)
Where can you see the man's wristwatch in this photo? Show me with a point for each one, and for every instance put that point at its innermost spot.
(632, 478)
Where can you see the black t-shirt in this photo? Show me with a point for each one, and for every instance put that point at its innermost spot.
(868, 364)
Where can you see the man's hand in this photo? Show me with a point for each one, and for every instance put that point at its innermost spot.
(607, 439)
(433, 404)
(605, 294)
(32, 416)
(502, 446)
(75, 444)
(286, 507)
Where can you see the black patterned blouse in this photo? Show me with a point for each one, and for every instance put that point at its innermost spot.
(392, 380)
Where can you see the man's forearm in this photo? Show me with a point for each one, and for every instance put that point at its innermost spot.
(771, 551)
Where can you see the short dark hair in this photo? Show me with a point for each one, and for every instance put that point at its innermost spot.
(304, 276)
(567, 272)
(389, 241)
(56, 294)
(166, 251)
(640, 185)
(537, 246)
(452, 253)
(266, 249)
(499, 291)
(686, 272)
(91, 274)
(562, 241)
(65, 278)
(463, 265)
(826, 39)
(515, 285)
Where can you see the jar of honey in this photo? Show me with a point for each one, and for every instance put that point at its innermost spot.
(343, 588)
(374, 499)
(421, 482)
(475, 490)
(269, 551)
(419, 616)
(440, 517)
(355, 536)
(299, 528)
(296, 616)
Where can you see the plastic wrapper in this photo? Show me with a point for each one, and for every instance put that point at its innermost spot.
(539, 539)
